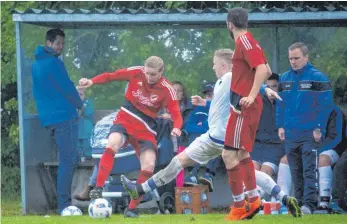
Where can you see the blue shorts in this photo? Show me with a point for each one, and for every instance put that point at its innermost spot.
(268, 154)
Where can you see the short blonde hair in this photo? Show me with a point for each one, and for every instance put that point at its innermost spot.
(225, 54)
(155, 62)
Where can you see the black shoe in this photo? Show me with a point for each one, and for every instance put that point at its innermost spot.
(322, 210)
(95, 193)
(131, 213)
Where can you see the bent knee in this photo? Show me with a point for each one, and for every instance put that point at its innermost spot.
(115, 141)
(324, 160)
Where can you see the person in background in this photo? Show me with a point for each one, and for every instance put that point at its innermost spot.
(197, 124)
(268, 148)
(85, 127)
(57, 102)
(186, 108)
(334, 144)
(301, 120)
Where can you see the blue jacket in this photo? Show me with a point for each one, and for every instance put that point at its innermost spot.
(55, 94)
(199, 114)
(307, 102)
(335, 135)
(86, 121)
(267, 131)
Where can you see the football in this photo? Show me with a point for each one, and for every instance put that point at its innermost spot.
(71, 211)
(100, 208)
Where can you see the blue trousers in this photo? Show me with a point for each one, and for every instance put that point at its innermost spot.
(302, 155)
(65, 135)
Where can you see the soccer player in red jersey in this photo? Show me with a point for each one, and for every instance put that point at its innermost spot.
(148, 91)
(250, 70)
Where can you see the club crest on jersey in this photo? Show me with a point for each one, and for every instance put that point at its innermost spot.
(153, 97)
(139, 83)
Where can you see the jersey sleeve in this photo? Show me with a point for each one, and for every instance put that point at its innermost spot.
(119, 74)
(252, 52)
(173, 107)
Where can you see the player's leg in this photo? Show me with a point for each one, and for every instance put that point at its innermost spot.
(284, 177)
(200, 151)
(161, 178)
(325, 162)
(116, 140)
(270, 187)
(310, 167)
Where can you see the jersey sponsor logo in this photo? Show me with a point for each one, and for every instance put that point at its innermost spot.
(142, 99)
(139, 83)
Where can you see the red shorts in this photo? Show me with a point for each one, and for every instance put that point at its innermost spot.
(140, 136)
(242, 127)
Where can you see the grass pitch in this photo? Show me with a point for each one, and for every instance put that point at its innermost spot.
(11, 214)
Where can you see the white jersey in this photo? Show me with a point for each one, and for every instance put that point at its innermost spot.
(219, 110)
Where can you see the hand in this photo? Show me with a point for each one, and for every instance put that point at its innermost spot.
(247, 101)
(198, 101)
(272, 94)
(317, 135)
(165, 116)
(281, 134)
(85, 83)
(176, 132)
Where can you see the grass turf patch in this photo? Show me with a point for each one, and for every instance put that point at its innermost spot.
(175, 219)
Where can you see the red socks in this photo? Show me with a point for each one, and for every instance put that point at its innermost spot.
(143, 177)
(248, 174)
(105, 166)
(236, 186)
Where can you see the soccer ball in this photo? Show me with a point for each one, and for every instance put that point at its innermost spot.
(100, 208)
(71, 211)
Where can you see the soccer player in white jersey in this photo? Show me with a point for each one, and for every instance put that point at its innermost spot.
(211, 144)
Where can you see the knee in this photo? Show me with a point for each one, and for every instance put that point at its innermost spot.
(230, 158)
(284, 160)
(148, 165)
(324, 160)
(115, 141)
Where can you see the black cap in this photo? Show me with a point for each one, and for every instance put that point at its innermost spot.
(207, 86)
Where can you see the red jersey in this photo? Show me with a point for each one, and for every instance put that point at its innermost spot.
(247, 55)
(146, 98)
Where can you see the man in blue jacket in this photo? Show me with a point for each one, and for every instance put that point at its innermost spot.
(57, 102)
(301, 121)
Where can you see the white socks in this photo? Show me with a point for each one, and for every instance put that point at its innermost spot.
(284, 178)
(325, 180)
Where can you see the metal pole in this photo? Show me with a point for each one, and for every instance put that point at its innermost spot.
(275, 52)
(21, 119)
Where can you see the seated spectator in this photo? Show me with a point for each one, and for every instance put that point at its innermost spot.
(85, 127)
(334, 144)
(268, 148)
(284, 177)
(186, 108)
(196, 125)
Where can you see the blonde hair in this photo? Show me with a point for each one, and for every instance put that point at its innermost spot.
(155, 62)
(225, 54)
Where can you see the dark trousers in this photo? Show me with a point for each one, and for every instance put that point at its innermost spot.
(302, 155)
(340, 180)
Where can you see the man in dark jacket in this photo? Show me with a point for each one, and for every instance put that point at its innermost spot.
(57, 102)
(334, 144)
(301, 121)
(268, 148)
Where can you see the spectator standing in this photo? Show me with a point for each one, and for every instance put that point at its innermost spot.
(301, 122)
(57, 102)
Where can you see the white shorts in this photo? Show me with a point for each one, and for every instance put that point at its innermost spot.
(203, 149)
(332, 154)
